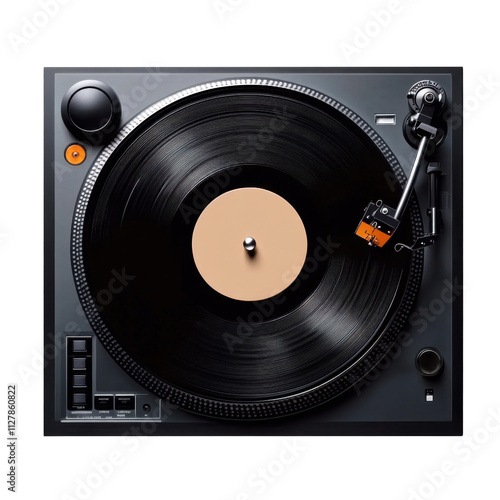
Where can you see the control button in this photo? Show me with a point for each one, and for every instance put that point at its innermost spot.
(146, 407)
(103, 402)
(79, 399)
(429, 362)
(79, 380)
(124, 402)
(79, 363)
(91, 111)
(79, 345)
(75, 154)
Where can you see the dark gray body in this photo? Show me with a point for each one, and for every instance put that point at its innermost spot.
(393, 400)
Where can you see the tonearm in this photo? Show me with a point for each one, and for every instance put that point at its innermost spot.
(425, 130)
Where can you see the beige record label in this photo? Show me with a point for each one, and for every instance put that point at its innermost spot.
(249, 244)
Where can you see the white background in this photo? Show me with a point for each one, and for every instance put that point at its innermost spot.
(259, 33)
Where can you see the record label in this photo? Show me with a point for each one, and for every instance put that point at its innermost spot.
(249, 244)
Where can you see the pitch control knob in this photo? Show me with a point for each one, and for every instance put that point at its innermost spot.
(91, 111)
(429, 362)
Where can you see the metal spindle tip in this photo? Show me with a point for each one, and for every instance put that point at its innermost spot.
(249, 244)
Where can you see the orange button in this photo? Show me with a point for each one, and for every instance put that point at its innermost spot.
(75, 154)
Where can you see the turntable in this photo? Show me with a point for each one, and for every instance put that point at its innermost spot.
(253, 251)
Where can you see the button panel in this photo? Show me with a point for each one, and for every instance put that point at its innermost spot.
(102, 406)
(79, 373)
(87, 399)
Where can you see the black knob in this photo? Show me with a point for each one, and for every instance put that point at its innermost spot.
(429, 362)
(91, 111)
(146, 407)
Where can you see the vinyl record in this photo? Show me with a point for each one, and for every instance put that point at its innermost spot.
(170, 329)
